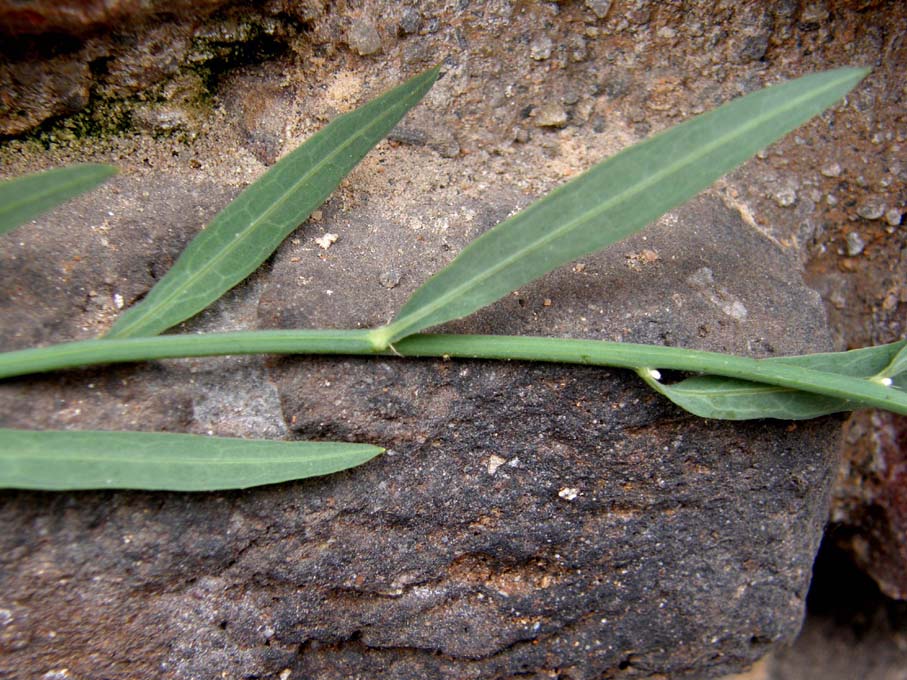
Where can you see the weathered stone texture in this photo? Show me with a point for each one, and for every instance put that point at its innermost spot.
(527, 519)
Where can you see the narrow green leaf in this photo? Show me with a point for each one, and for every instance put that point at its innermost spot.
(24, 198)
(857, 363)
(712, 396)
(615, 198)
(62, 460)
(896, 367)
(248, 230)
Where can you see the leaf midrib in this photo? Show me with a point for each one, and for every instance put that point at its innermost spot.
(182, 462)
(454, 293)
(733, 392)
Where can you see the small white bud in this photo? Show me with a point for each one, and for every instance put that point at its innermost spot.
(655, 374)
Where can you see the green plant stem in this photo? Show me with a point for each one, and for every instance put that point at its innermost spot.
(121, 350)
(361, 342)
(635, 356)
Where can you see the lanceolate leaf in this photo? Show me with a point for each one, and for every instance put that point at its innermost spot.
(59, 460)
(615, 199)
(248, 230)
(711, 396)
(24, 198)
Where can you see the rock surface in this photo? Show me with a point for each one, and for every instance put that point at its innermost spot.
(730, 564)
(527, 519)
(870, 499)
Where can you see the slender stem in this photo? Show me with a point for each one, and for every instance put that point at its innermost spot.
(634, 356)
(358, 342)
(120, 350)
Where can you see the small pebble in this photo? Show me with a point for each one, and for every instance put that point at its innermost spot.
(831, 170)
(893, 217)
(785, 197)
(551, 114)
(540, 48)
(855, 244)
(520, 135)
(162, 119)
(837, 299)
(494, 462)
(411, 21)
(363, 37)
(814, 13)
(576, 45)
(389, 278)
(326, 240)
(568, 493)
(871, 209)
(599, 7)
(571, 97)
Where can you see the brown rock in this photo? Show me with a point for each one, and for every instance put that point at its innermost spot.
(30, 93)
(871, 499)
(78, 17)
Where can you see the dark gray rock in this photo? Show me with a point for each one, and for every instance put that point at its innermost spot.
(526, 519)
(69, 282)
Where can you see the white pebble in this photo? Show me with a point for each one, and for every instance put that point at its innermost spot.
(568, 493)
(494, 462)
(326, 240)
